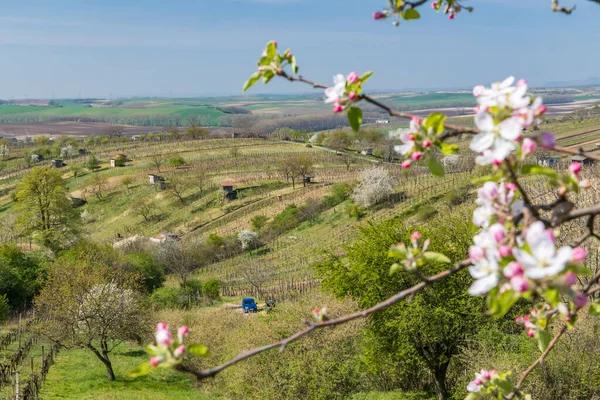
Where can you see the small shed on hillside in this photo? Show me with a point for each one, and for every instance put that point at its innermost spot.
(307, 179)
(582, 159)
(82, 152)
(57, 163)
(118, 161)
(37, 158)
(367, 151)
(157, 180)
(227, 187)
(135, 138)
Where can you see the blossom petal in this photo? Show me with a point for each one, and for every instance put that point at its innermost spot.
(482, 141)
(484, 285)
(484, 122)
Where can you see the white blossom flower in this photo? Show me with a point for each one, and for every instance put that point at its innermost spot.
(408, 143)
(495, 142)
(497, 95)
(485, 271)
(335, 92)
(544, 260)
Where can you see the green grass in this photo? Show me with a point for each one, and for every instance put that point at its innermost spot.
(78, 374)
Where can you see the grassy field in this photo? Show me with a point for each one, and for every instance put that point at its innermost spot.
(77, 374)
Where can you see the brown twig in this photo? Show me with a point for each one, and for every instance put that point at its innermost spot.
(312, 326)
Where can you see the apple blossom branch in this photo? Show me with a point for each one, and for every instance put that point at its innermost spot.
(313, 326)
(589, 290)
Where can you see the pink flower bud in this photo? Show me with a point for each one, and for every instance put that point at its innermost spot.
(415, 236)
(411, 137)
(570, 278)
(497, 232)
(547, 140)
(521, 82)
(416, 120)
(406, 164)
(154, 361)
(476, 253)
(528, 325)
(451, 16)
(352, 77)
(274, 42)
(434, 5)
(513, 269)
(183, 331)
(575, 168)
(475, 109)
(477, 381)
(351, 95)
(426, 143)
(511, 186)
(378, 15)
(542, 110)
(497, 162)
(179, 351)
(493, 372)
(416, 155)
(290, 55)
(163, 337)
(528, 146)
(338, 109)
(485, 374)
(488, 191)
(530, 334)
(578, 255)
(580, 300)
(161, 326)
(504, 251)
(519, 284)
(519, 320)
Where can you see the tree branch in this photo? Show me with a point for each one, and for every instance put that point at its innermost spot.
(312, 326)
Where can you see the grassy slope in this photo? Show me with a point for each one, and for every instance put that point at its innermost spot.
(78, 374)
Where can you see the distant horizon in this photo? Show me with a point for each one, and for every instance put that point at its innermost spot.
(63, 48)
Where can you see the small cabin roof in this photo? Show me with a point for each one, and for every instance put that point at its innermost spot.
(226, 183)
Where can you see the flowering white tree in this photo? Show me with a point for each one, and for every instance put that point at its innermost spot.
(67, 151)
(91, 307)
(374, 186)
(248, 239)
(515, 254)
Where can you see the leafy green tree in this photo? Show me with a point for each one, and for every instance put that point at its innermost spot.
(21, 276)
(426, 332)
(44, 210)
(92, 163)
(151, 273)
(211, 289)
(176, 162)
(338, 140)
(75, 169)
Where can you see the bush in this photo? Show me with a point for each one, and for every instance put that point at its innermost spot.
(375, 185)
(152, 274)
(248, 239)
(339, 193)
(211, 289)
(285, 220)
(166, 298)
(258, 222)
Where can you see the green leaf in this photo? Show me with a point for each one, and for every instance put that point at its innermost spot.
(499, 304)
(268, 75)
(397, 252)
(436, 257)
(487, 178)
(355, 116)
(472, 396)
(363, 78)
(141, 370)
(271, 50)
(595, 309)
(553, 296)
(543, 338)
(531, 169)
(448, 148)
(263, 61)
(395, 268)
(411, 13)
(435, 167)
(198, 350)
(435, 122)
(253, 79)
(293, 64)
(152, 350)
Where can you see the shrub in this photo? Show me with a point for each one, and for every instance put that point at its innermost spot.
(211, 289)
(151, 273)
(166, 298)
(258, 222)
(339, 193)
(285, 220)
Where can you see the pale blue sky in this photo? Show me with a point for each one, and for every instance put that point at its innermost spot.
(209, 47)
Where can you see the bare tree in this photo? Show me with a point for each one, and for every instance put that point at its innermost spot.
(301, 165)
(114, 131)
(177, 186)
(348, 160)
(256, 275)
(98, 186)
(157, 161)
(144, 208)
(193, 120)
(176, 259)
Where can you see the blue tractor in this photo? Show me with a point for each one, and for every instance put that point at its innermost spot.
(249, 305)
